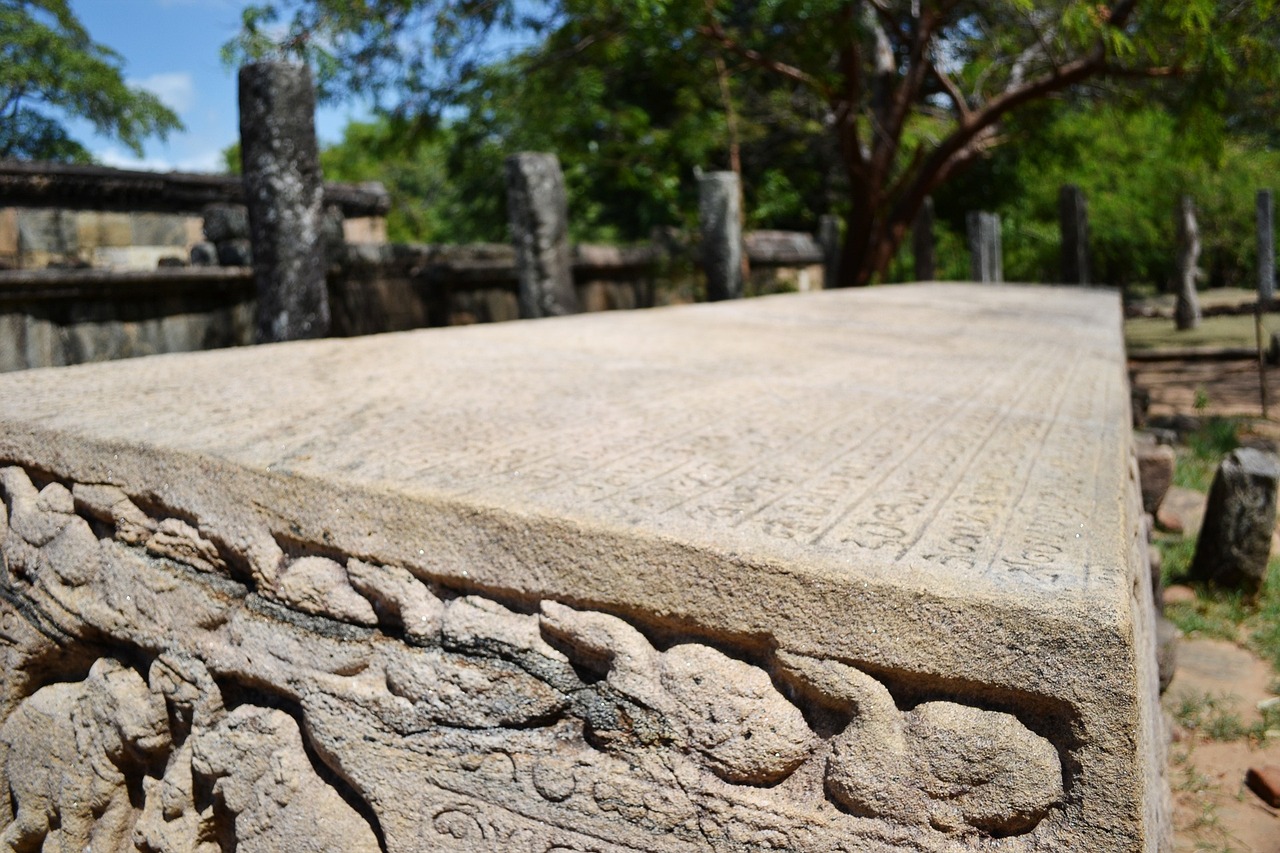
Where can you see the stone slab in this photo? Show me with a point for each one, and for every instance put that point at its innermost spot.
(837, 571)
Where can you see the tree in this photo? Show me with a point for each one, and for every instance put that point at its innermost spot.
(51, 69)
(913, 91)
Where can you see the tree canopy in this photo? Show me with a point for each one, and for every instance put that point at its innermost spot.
(50, 69)
(864, 107)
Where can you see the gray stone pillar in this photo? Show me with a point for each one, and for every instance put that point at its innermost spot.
(1235, 540)
(1266, 247)
(538, 212)
(922, 245)
(829, 240)
(284, 193)
(986, 262)
(1074, 216)
(720, 220)
(1187, 311)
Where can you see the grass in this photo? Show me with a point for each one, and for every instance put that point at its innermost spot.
(1205, 823)
(1220, 613)
(1146, 333)
(1212, 717)
(1198, 460)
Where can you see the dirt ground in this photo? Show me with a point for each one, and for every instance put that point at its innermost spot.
(1213, 810)
(1229, 388)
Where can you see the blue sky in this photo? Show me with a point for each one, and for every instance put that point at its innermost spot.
(170, 47)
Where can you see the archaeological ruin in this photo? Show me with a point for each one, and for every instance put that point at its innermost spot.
(839, 571)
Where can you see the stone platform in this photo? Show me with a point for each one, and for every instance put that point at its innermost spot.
(848, 571)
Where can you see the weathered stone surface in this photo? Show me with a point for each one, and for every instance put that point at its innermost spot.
(1265, 782)
(538, 212)
(1235, 539)
(720, 223)
(595, 588)
(284, 194)
(828, 238)
(1155, 473)
(204, 254)
(1187, 311)
(1073, 215)
(225, 222)
(1266, 231)
(923, 247)
(986, 252)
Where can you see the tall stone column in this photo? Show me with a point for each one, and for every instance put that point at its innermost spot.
(922, 243)
(719, 217)
(1266, 247)
(1187, 311)
(284, 193)
(538, 211)
(986, 263)
(829, 240)
(1074, 216)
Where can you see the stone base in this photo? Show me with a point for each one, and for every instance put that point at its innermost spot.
(842, 571)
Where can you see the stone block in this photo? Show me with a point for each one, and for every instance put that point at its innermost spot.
(47, 231)
(100, 229)
(538, 216)
(235, 253)
(1265, 782)
(1155, 472)
(226, 222)
(851, 570)
(135, 257)
(204, 254)
(285, 199)
(9, 234)
(1239, 519)
(159, 229)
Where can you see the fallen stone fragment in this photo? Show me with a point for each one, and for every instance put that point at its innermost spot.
(1155, 469)
(1265, 782)
(1240, 517)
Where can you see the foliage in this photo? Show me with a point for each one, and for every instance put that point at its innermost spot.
(1225, 614)
(1132, 163)
(862, 105)
(426, 205)
(1230, 330)
(50, 69)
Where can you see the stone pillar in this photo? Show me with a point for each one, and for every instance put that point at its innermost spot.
(1266, 247)
(985, 252)
(1074, 216)
(1187, 312)
(538, 211)
(720, 220)
(922, 244)
(1235, 540)
(284, 193)
(829, 240)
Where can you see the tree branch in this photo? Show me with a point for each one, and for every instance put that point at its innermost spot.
(712, 30)
(951, 89)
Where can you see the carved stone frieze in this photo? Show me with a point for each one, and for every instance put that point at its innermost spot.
(170, 688)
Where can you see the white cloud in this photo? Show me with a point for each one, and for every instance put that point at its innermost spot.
(205, 161)
(176, 89)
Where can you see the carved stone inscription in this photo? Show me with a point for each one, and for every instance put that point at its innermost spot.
(167, 690)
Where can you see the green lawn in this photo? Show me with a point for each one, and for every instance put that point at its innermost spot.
(1146, 333)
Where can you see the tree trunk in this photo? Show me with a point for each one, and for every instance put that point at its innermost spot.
(1187, 314)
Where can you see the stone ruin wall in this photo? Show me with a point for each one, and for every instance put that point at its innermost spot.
(51, 318)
